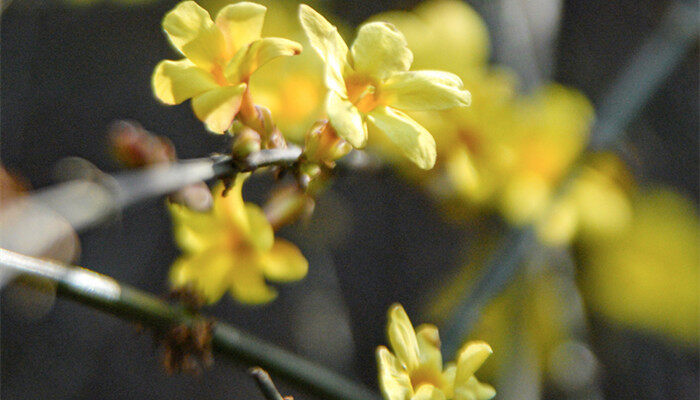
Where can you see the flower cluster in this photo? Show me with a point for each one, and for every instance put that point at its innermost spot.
(232, 248)
(414, 371)
(220, 57)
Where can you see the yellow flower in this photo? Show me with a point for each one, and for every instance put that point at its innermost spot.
(232, 247)
(368, 84)
(554, 124)
(648, 276)
(414, 371)
(595, 207)
(470, 148)
(219, 58)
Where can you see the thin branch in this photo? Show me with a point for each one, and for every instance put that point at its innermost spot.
(85, 203)
(630, 91)
(106, 294)
(267, 387)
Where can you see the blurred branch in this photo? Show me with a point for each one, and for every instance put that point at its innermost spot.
(633, 88)
(267, 387)
(645, 72)
(86, 203)
(106, 294)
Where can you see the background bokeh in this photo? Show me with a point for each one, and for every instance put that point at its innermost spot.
(69, 69)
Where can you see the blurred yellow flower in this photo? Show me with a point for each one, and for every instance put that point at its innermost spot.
(460, 31)
(595, 207)
(414, 370)
(219, 59)
(232, 247)
(648, 276)
(471, 156)
(369, 82)
(553, 128)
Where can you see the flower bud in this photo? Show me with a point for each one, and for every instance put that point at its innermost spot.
(247, 141)
(135, 147)
(323, 145)
(287, 205)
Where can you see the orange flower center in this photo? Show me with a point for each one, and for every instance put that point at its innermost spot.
(218, 72)
(362, 92)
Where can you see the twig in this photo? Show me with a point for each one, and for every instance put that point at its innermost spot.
(106, 294)
(84, 204)
(267, 387)
(630, 91)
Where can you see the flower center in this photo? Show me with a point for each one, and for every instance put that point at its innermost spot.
(426, 376)
(218, 72)
(362, 92)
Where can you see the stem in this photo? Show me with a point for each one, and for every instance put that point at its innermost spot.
(267, 387)
(106, 294)
(83, 204)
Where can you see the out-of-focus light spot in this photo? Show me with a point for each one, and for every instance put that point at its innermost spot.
(572, 365)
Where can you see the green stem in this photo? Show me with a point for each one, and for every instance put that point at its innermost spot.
(106, 294)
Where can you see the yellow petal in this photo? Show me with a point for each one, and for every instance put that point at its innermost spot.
(402, 337)
(191, 30)
(428, 392)
(425, 90)
(205, 272)
(326, 40)
(394, 381)
(474, 390)
(195, 231)
(346, 120)
(231, 208)
(380, 50)
(176, 81)
(462, 172)
(259, 232)
(448, 376)
(284, 263)
(415, 141)
(429, 347)
(472, 355)
(247, 281)
(241, 24)
(247, 60)
(217, 108)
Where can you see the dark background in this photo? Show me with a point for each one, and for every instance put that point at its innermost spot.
(66, 73)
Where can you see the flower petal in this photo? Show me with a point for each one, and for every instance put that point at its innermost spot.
(394, 381)
(176, 81)
(191, 30)
(428, 392)
(346, 120)
(205, 272)
(380, 50)
(429, 347)
(402, 337)
(415, 141)
(284, 263)
(425, 90)
(231, 208)
(472, 355)
(474, 390)
(260, 233)
(241, 24)
(247, 282)
(326, 40)
(217, 108)
(195, 231)
(247, 60)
